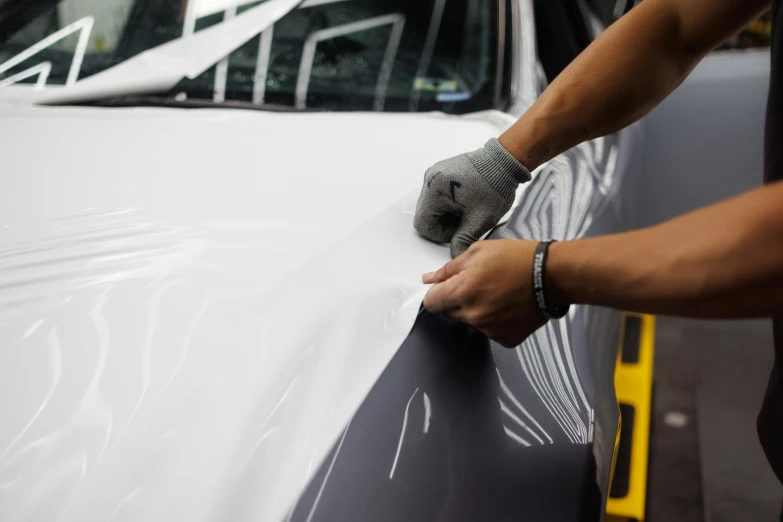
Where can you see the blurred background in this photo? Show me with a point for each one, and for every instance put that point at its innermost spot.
(710, 376)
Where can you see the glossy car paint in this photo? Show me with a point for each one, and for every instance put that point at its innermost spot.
(195, 313)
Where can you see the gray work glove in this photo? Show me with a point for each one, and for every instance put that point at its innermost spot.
(465, 196)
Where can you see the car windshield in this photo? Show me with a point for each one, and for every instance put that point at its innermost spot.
(392, 55)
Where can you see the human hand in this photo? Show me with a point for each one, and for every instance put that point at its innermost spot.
(490, 288)
(465, 196)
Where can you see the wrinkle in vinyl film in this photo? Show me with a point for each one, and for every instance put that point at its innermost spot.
(40, 277)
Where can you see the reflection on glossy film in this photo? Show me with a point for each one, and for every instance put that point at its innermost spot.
(513, 436)
(55, 358)
(561, 378)
(505, 409)
(548, 383)
(569, 357)
(153, 312)
(564, 201)
(30, 331)
(104, 251)
(125, 501)
(402, 434)
(186, 346)
(524, 361)
(524, 411)
(427, 413)
(328, 473)
(562, 204)
(69, 431)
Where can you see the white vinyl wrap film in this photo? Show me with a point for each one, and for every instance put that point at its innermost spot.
(161, 68)
(194, 303)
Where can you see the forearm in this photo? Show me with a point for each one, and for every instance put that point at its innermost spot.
(724, 261)
(624, 74)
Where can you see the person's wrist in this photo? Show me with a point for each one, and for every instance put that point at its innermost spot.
(557, 275)
(516, 146)
(542, 293)
(499, 168)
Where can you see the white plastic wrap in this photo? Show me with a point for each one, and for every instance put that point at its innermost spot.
(161, 68)
(193, 304)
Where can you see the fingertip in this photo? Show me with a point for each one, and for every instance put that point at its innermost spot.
(431, 300)
(426, 302)
(428, 278)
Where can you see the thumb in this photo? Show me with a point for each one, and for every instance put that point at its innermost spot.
(461, 241)
(472, 227)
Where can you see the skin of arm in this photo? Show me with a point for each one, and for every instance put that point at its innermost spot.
(628, 70)
(724, 261)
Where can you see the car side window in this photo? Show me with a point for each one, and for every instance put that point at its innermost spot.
(561, 34)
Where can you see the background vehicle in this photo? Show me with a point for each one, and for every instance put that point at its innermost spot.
(204, 308)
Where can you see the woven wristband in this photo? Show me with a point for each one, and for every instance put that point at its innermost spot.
(539, 289)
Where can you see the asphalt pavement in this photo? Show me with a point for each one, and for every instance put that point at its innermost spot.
(706, 464)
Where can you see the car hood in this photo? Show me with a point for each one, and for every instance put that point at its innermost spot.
(193, 303)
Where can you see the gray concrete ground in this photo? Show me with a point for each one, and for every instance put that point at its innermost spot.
(711, 469)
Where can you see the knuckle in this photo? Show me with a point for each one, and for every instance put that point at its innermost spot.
(464, 294)
(475, 247)
(459, 295)
(432, 174)
(473, 298)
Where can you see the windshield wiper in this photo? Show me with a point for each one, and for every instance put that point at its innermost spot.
(148, 100)
(161, 68)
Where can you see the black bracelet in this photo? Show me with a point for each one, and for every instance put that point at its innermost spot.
(539, 277)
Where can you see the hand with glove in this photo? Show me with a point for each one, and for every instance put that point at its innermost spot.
(465, 196)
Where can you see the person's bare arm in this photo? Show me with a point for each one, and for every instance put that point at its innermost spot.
(618, 79)
(625, 73)
(724, 261)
